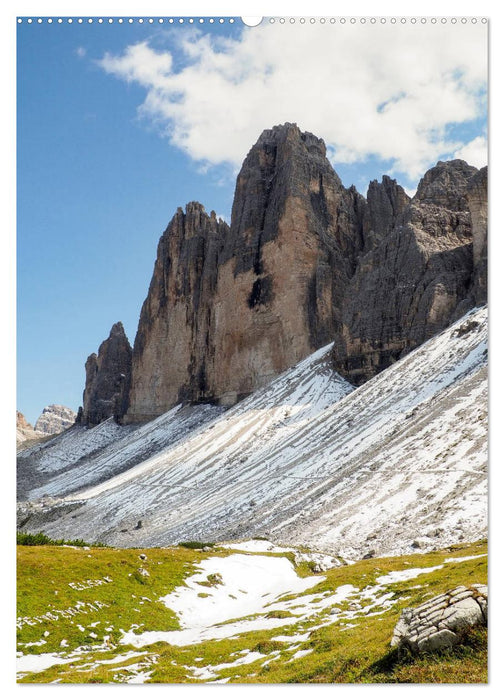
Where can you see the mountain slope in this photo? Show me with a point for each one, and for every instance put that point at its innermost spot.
(309, 461)
(83, 457)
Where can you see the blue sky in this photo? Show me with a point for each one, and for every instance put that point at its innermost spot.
(96, 189)
(118, 125)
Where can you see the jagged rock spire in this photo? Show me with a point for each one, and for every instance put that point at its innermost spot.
(108, 376)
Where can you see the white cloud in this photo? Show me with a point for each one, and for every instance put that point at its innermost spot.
(390, 91)
(80, 51)
(475, 152)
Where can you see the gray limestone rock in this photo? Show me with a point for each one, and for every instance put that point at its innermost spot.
(108, 376)
(442, 639)
(54, 419)
(477, 203)
(419, 276)
(439, 623)
(229, 308)
(175, 347)
(24, 430)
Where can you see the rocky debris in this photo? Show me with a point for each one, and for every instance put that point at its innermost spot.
(370, 554)
(440, 622)
(317, 561)
(465, 328)
(54, 419)
(313, 455)
(108, 377)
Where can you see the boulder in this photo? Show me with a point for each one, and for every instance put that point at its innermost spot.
(441, 622)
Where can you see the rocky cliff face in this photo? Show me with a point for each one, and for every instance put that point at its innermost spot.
(108, 376)
(175, 339)
(295, 237)
(55, 419)
(231, 307)
(386, 203)
(478, 208)
(305, 261)
(417, 273)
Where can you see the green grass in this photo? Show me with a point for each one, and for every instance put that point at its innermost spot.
(54, 580)
(338, 653)
(34, 540)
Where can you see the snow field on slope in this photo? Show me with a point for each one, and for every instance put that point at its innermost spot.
(85, 456)
(310, 461)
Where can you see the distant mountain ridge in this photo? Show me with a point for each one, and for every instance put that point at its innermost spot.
(304, 262)
(53, 420)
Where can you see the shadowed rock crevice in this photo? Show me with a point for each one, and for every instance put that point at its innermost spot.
(262, 292)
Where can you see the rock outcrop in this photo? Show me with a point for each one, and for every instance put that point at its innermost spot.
(478, 208)
(229, 308)
(295, 238)
(175, 342)
(417, 273)
(386, 202)
(24, 430)
(441, 622)
(55, 419)
(108, 376)
(304, 261)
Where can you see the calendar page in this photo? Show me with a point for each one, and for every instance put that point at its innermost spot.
(252, 349)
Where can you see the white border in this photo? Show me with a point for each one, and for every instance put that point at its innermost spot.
(484, 8)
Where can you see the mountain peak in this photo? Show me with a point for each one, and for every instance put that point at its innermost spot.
(446, 185)
(108, 375)
(54, 419)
